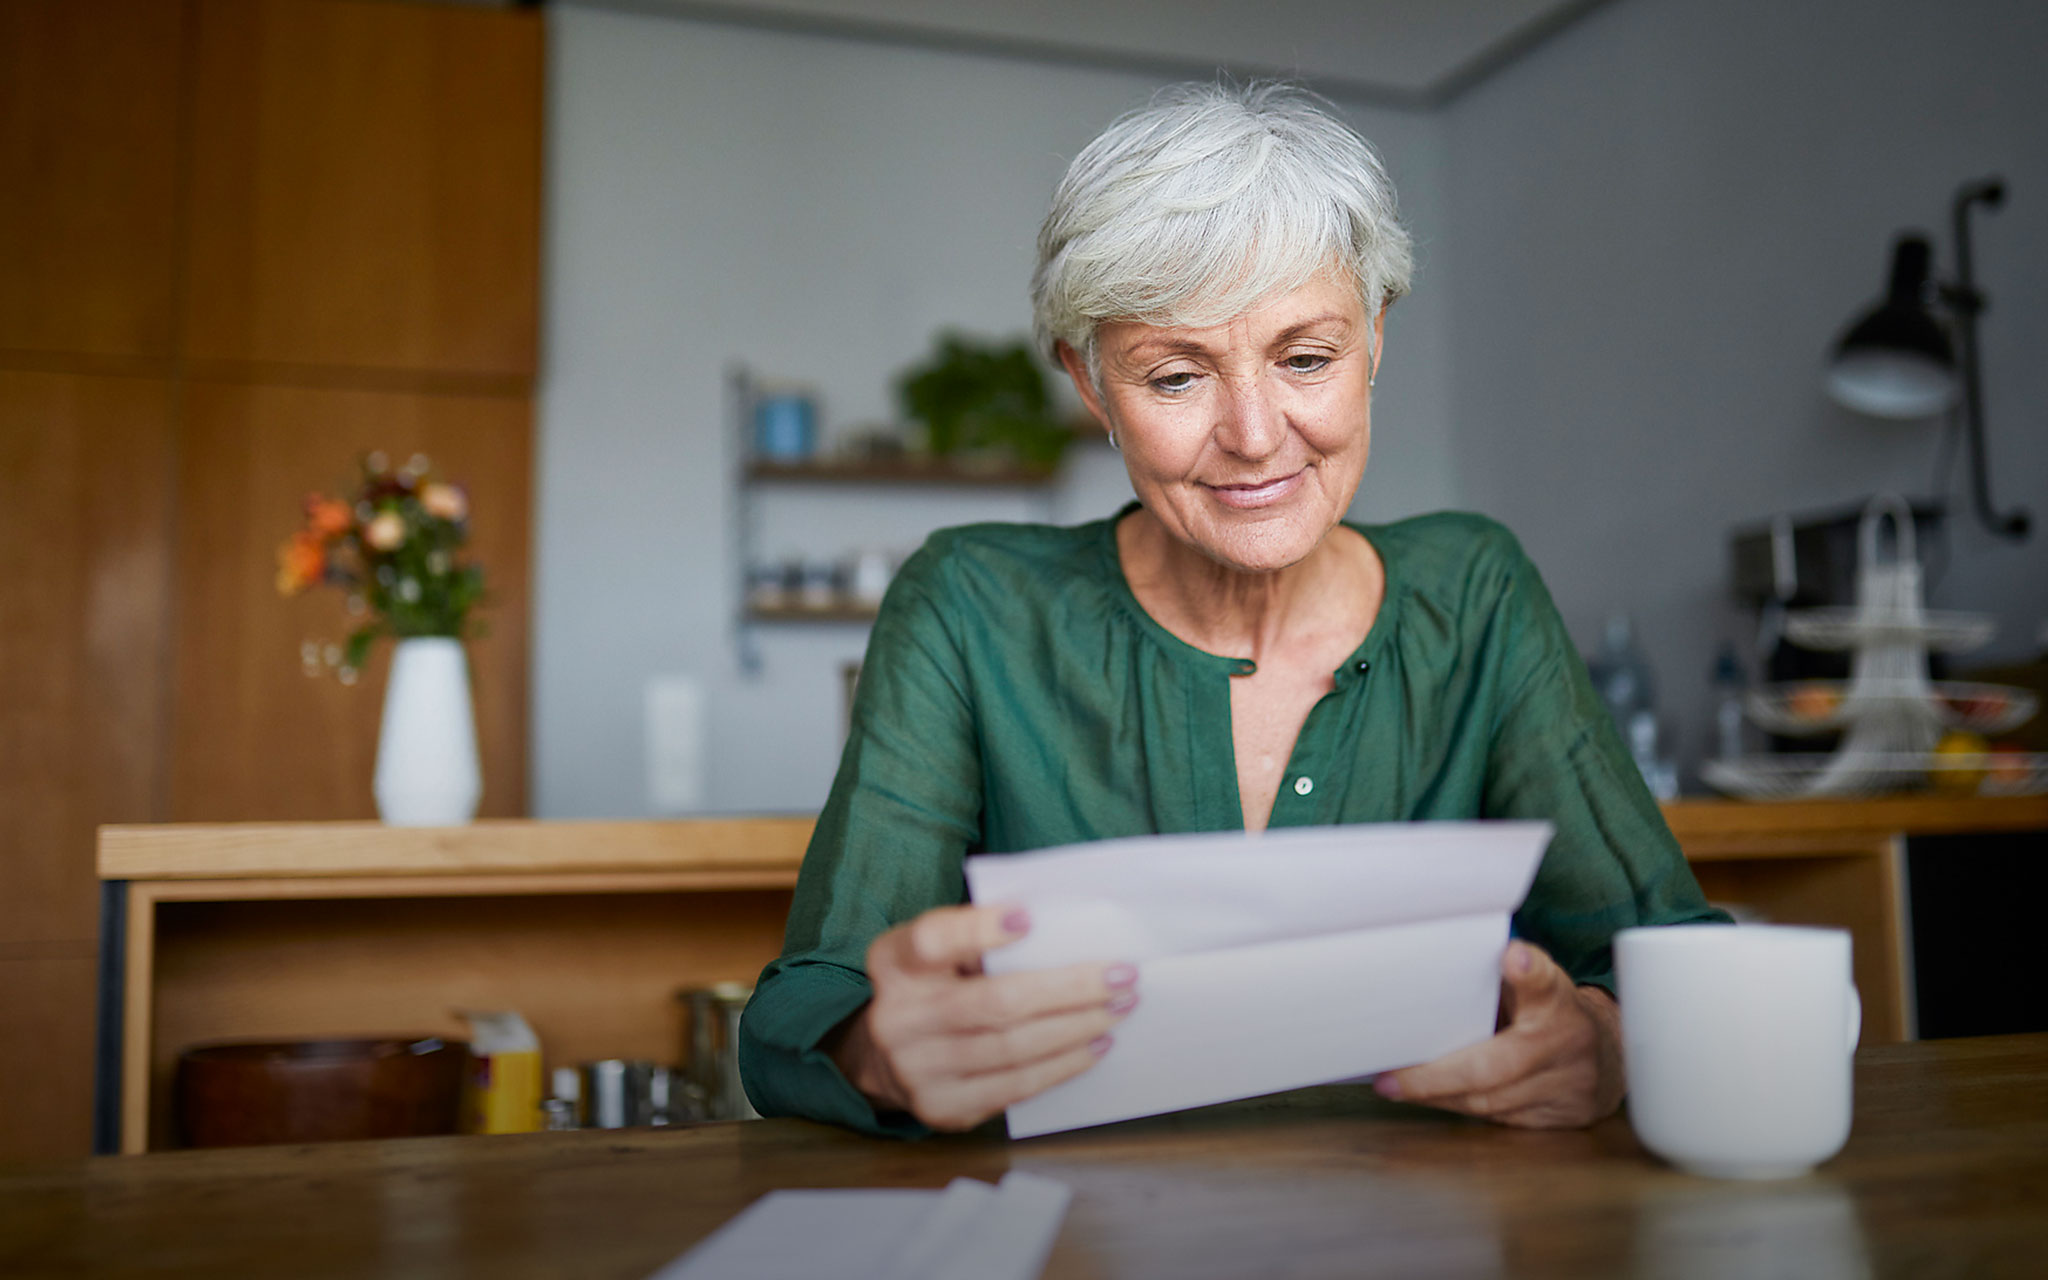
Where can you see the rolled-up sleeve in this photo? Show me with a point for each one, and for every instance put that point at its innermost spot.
(1555, 754)
(903, 812)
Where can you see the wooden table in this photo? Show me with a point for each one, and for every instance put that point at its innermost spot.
(1946, 1173)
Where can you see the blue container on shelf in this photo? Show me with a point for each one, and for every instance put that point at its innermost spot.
(785, 427)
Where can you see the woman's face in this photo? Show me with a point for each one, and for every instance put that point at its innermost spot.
(1247, 440)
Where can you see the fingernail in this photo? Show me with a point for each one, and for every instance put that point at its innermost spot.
(1099, 1045)
(1123, 1002)
(1121, 975)
(1016, 920)
(1386, 1086)
(1525, 959)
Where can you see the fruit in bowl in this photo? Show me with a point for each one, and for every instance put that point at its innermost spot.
(1813, 701)
(1979, 707)
(1959, 762)
(2009, 768)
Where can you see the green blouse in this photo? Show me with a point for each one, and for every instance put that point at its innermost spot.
(1016, 696)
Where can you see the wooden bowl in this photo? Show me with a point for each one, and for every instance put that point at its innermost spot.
(235, 1095)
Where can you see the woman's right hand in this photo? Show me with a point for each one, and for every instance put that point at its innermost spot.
(953, 1046)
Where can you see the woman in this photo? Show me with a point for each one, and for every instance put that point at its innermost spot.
(1214, 275)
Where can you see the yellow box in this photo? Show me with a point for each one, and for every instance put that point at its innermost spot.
(503, 1091)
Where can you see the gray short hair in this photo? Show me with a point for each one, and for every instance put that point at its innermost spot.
(1196, 208)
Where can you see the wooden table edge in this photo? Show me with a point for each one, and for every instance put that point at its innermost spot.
(505, 846)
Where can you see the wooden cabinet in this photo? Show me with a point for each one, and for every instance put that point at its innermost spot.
(365, 186)
(241, 243)
(82, 461)
(82, 511)
(1840, 863)
(90, 101)
(587, 928)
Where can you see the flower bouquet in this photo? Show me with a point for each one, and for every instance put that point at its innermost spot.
(395, 546)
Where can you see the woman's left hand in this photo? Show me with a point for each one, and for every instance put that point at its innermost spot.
(1554, 1064)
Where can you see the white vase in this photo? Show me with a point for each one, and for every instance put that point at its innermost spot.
(427, 773)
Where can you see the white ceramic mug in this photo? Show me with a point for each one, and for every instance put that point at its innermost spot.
(1738, 1041)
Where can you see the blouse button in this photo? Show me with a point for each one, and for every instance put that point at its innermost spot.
(1302, 785)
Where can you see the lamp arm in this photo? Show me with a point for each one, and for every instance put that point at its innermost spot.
(1967, 303)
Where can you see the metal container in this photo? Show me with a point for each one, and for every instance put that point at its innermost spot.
(617, 1093)
(714, 1065)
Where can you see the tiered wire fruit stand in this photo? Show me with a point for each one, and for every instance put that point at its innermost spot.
(1891, 715)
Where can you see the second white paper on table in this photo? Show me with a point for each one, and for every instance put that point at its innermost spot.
(1271, 961)
(969, 1231)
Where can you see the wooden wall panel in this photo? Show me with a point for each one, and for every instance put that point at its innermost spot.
(46, 1037)
(89, 107)
(253, 737)
(366, 186)
(84, 469)
(341, 193)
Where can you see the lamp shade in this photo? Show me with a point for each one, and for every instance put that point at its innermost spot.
(1896, 362)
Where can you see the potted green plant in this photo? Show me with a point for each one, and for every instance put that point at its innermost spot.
(984, 399)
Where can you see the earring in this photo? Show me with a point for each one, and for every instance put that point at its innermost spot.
(1112, 442)
(1372, 379)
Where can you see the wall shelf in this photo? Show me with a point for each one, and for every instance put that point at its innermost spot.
(750, 474)
(915, 470)
(861, 613)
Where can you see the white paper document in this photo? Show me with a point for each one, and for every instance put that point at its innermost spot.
(969, 1231)
(1270, 961)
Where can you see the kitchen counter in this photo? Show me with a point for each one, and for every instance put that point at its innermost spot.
(589, 928)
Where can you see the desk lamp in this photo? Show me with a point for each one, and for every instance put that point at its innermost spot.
(1896, 361)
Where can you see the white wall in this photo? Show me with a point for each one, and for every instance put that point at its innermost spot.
(1637, 243)
(818, 208)
(1659, 222)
